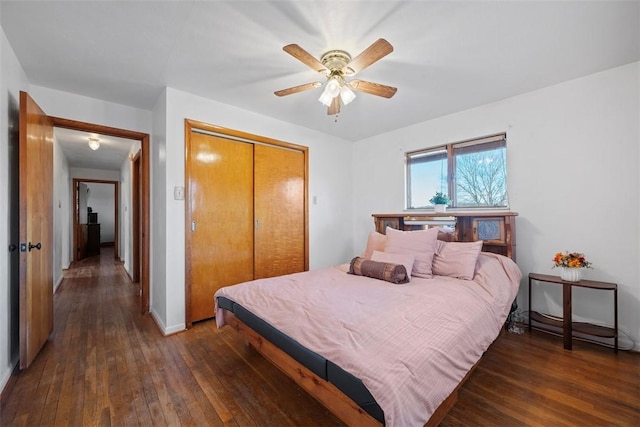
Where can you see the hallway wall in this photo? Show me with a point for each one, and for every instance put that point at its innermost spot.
(62, 215)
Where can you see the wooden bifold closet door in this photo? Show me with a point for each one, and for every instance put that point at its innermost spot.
(246, 215)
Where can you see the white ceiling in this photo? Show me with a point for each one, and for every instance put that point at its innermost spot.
(449, 55)
(111, 155)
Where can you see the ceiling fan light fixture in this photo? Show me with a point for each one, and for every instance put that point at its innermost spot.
(337, 65)
(94, 143)
(325, 98)
(331, 90)
(346, 94)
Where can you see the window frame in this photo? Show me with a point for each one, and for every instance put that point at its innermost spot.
(452, 149)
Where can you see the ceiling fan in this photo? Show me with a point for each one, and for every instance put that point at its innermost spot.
(337, 66)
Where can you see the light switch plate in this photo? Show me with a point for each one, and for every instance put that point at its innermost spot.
(178, 193)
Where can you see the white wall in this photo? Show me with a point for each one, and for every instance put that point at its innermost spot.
(125, 243)
(12, 80)
(62, 214)
(124, 226)
(330, 168)
(572, 154)
(158, 217)
(91, 110)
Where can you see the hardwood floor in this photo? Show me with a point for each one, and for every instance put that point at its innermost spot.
(105, 364)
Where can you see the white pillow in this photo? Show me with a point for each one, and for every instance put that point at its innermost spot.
(420, 243)
(404, 259)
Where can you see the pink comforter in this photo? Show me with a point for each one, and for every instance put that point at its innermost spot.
(410, 344)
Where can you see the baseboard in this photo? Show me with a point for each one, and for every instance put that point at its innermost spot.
(164, 330)
(58, 283)
(7, 383)
(127, 271)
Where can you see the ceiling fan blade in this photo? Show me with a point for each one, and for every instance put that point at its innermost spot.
(296, 89)
(378, 50)
(305, 57)
(373, 88)
(334, 108)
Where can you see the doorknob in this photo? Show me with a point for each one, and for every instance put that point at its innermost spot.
(38, 246)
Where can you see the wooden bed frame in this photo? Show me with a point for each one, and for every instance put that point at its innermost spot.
(326, 393)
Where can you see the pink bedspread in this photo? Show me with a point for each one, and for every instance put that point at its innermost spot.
(410, 344)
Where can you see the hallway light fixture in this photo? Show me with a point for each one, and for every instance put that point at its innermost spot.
(94, 143)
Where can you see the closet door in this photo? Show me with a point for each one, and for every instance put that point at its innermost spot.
(221, 206)
(279, 211)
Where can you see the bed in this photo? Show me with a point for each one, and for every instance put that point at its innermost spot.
(373, 348)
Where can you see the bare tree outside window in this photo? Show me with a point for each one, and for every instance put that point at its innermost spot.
(481, 179)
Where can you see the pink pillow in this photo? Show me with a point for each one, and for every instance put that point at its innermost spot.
(375, 242)
(456, 259)
(404, 259)
(421, 244)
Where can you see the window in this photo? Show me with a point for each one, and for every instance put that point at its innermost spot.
(473, 173)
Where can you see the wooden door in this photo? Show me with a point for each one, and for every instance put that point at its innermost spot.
(220, 219)
(279, 211)
(36, 231)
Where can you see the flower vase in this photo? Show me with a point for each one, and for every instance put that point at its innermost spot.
(440, 208)
(569, 274)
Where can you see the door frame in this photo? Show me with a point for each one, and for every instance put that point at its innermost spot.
(144, 189)
(76, 213)
(191, 126)
(135, 217)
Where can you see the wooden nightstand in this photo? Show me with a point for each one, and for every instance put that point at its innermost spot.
(567, 326)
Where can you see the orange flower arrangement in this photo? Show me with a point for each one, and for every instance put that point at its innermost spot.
(571, 260)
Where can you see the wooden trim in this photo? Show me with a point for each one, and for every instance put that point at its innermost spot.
(145, 188)
(194, 125)
(91, 127)
(325, 392)
(76, 214)
(145, 234)
(188, 126)
(135, 216)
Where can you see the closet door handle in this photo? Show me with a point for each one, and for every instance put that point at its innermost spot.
(37, 246)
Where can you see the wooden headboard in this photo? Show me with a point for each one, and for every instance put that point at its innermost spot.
(497, 229)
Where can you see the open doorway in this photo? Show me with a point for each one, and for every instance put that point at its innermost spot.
(95, 217)
(138, 162)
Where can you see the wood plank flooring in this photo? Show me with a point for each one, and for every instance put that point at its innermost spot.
(105, 364)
